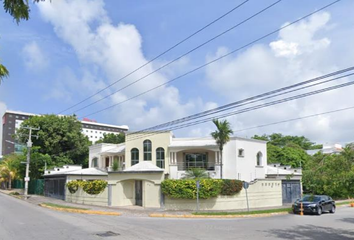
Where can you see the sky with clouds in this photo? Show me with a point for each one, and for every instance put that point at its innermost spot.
(69, 50)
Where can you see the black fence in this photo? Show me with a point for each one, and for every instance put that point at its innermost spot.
(55, 188)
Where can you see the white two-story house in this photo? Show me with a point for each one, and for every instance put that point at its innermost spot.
(243, 159)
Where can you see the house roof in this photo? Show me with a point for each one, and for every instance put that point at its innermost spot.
(85, 171)
(88, 171)
(117, 149)
(192, 142)
(144, 166)
(281, 171)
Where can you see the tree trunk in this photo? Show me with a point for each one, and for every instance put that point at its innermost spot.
(221, 164)
(10, 183)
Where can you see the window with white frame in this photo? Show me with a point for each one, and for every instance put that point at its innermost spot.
(160, 157)
(94, 162)
(134, 156)
(241, 152)
(259, 158)
(147, 150)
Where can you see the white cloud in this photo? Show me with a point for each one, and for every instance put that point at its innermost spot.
(2, 111)
(302, 51)
(116, 50)
(34, 58)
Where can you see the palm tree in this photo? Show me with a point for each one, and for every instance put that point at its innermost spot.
(221, 136)
(195, 173)
(3, 72)
(8, 169)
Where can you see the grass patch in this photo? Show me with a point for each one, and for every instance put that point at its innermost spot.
(344, 203)
(278, 210)
(63, 206)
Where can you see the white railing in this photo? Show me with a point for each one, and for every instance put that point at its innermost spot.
(209, 166)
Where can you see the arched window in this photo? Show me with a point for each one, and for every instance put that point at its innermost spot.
(94, 162)
(160, 157)
(147, 150)
(135, 156)
(259, 159)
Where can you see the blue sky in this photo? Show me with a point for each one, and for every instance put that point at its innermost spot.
(69, 50)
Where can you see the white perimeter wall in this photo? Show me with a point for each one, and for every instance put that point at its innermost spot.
(81, 197)
(263, 193)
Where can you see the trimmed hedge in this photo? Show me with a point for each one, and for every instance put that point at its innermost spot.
(209, 188)
(90, 187)
(231, 187)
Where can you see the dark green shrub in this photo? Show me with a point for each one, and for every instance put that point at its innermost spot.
(230, 187)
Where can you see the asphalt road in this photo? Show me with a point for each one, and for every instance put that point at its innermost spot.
(22, 221)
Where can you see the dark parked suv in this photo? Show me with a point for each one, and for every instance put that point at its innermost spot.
(315, 204)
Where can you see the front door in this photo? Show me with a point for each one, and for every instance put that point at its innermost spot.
(138, 192)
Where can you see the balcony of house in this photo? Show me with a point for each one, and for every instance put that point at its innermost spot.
(113, 159)
(188, 159)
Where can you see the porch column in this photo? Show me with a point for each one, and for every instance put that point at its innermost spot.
(173, 165)
(110, 160)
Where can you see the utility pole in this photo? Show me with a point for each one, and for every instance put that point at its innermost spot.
(29, 145)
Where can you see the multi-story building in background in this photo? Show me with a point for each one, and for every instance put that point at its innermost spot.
(12, 120)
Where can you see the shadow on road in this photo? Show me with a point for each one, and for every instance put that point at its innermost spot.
(312, 232)
(347, 220)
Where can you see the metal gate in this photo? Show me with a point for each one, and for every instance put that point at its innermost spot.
(55, 187)
(291, 191)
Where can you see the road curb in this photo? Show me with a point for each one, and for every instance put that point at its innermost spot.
(81, 211)
(159, 215)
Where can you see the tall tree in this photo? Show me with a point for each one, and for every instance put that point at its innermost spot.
(112, 138)
(60, 137)
(221, 136)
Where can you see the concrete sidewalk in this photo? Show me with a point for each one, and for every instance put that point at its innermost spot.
(129, 211)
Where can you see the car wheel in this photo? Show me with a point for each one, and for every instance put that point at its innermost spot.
(294, 211)
(333, 209)
(319, 211)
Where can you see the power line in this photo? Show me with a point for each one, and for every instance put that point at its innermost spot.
(159, 55)
(215, 60)
(178, 58)
(260, 96)
(295, 119)
(257, 107)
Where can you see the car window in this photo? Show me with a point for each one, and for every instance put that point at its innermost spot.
(311, 198)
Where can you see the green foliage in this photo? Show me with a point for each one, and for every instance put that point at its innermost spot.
(187, 189)
(90, 187)
(332, 175)
(38, 162)
(18, 9)
(112, 138)
(231, 187)
(223, 132)
(3, 72)
(115, 165)
(277, 139)
(60, 137)
(94, 187)
(195, 173)
(10, 169)
(73, 186)
(287, 150)
(209, 188)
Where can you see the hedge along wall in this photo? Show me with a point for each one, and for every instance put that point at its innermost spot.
(263, 193)
(79, 195)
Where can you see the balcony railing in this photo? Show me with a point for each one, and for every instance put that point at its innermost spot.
(208, 166)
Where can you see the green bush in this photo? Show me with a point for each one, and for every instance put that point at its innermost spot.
(209, 188)
(73, 186)
(230, 187)
(90, 187)
(94, 187)
(187, 189)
